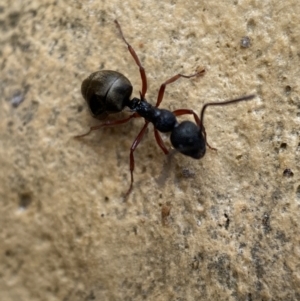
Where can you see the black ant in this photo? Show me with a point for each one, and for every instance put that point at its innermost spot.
(109, 92)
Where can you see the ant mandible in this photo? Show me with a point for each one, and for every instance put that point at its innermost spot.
(108, 92)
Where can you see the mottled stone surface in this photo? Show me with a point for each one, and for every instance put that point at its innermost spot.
(222, 228)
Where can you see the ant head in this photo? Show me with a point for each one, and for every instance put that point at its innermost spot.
(187, 138)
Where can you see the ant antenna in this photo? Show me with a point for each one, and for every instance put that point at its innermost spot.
(222, 103)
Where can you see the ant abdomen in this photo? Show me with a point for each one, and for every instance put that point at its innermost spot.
(106, 92)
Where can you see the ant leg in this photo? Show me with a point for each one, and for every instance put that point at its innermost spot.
(137, 61)
(172, 80)
(160, 141)
(198, 122)
(131, 157)
(108, 123)
(187, 111)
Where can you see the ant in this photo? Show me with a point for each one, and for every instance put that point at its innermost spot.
(108, 92)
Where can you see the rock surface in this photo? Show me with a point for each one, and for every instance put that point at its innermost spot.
(222, 228)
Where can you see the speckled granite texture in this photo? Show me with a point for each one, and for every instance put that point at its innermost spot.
(222, 228)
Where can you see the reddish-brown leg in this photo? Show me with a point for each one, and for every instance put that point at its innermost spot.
(198, 122)
(172, 80)
(108, 123)
(187, 111)
(160, 141)
(131, 157)
(137, 61)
